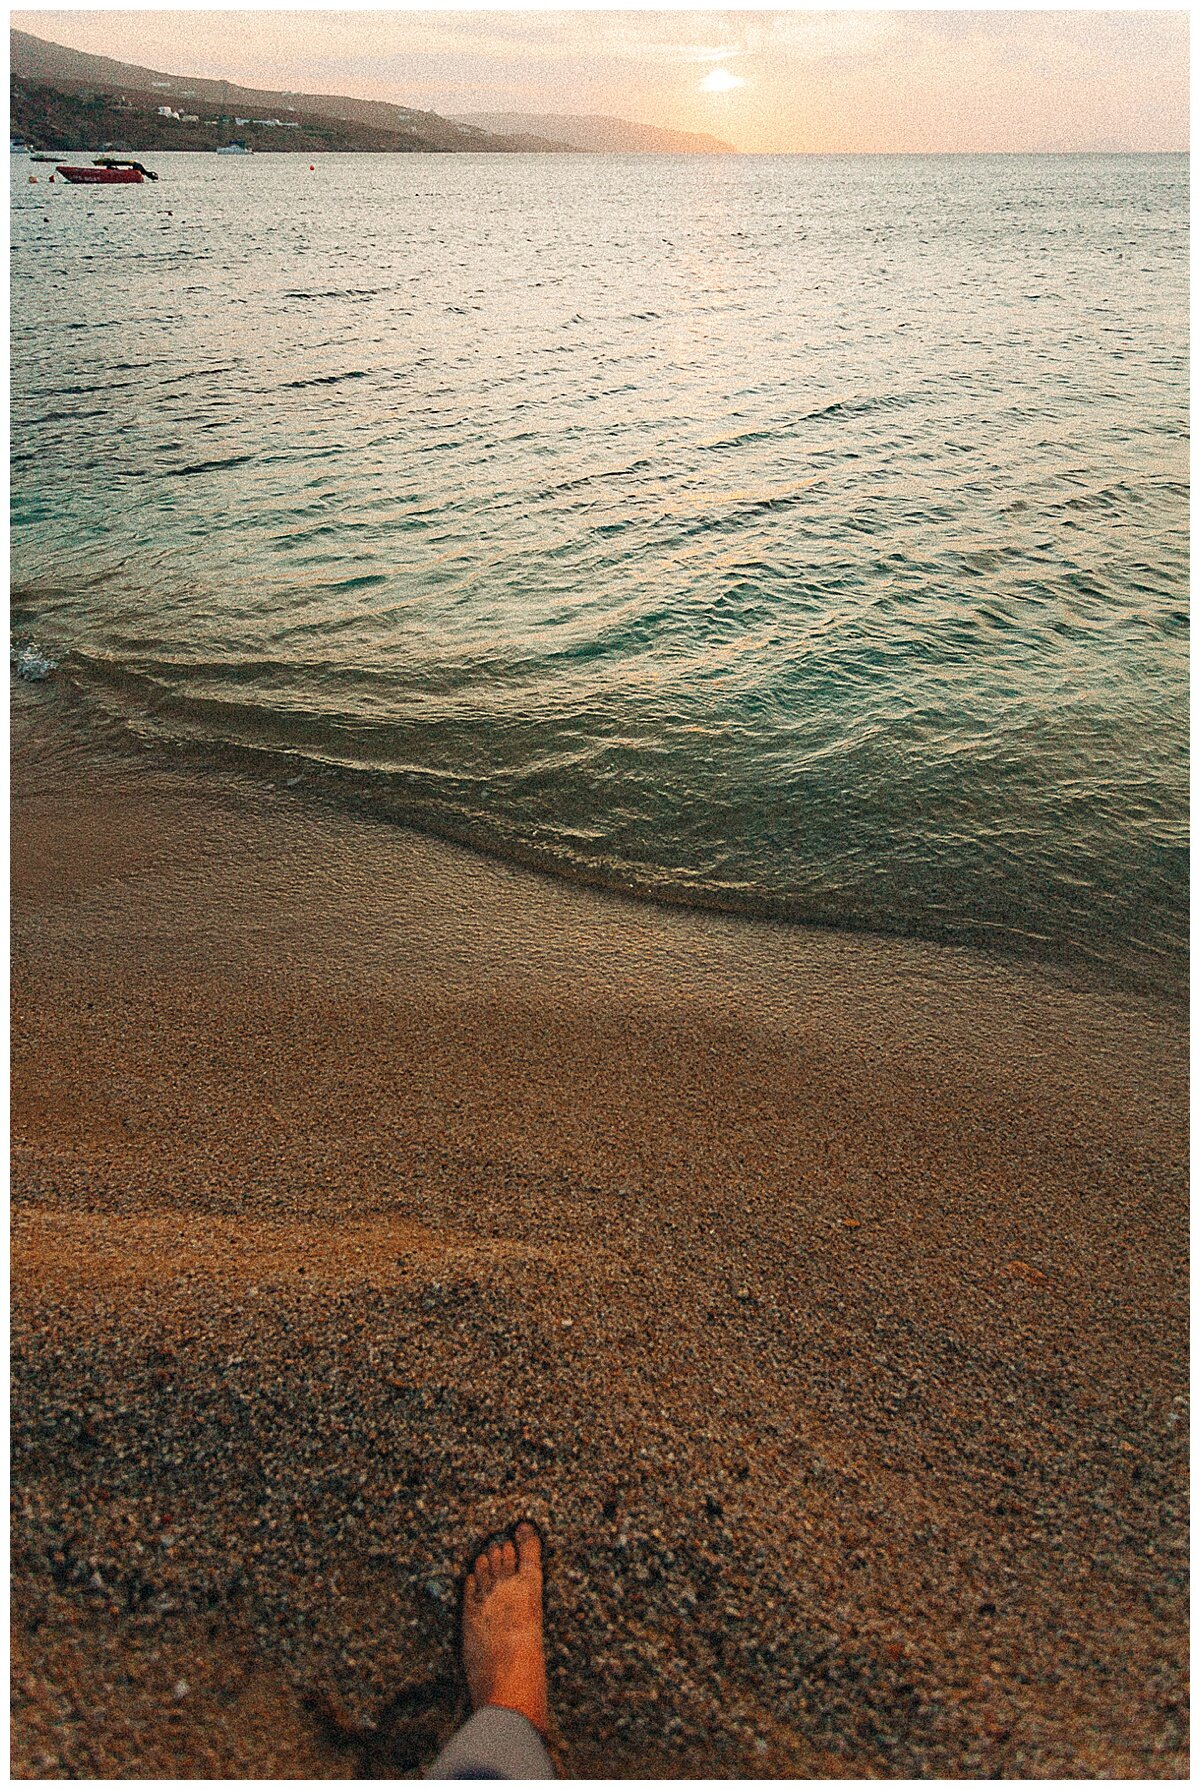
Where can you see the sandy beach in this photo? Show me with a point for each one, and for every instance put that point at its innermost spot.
(823, 1297)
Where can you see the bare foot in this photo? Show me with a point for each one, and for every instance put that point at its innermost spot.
(502, 1628)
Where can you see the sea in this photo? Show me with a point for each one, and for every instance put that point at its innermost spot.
(801, 536)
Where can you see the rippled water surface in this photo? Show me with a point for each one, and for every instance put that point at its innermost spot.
(806, 535)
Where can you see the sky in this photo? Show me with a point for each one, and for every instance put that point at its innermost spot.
(764, 81)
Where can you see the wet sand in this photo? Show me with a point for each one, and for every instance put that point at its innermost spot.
(823, 1297)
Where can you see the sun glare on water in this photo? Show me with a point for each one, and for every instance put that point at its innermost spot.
(720, 81)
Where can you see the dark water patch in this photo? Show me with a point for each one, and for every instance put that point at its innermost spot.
(199, 466)
(192, 374)
(1117, 497)
(855, 407)
(74, 415)
(339, 292)
(325, 379)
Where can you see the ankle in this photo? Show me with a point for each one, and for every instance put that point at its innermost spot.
(527, 1702)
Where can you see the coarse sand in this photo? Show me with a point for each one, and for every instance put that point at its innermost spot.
(822, 1298)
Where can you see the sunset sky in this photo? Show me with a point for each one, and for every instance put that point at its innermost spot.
(815, 80)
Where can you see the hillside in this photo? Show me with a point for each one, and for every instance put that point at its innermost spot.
(593, 131)
(62, 97)
(56, 119)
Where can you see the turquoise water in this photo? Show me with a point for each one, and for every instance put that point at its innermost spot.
(800, 535)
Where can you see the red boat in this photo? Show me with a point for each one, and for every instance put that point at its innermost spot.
(106, 174)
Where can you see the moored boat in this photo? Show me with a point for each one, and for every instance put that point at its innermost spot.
(101, 176)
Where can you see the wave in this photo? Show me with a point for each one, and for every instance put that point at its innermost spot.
(300, 385)
(569, 790)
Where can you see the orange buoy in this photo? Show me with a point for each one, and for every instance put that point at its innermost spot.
(33, 180)
(312, 167)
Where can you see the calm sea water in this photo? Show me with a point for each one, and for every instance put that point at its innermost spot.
(800, 535)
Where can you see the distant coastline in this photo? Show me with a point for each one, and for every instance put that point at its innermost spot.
(596, 134)
(62, 99)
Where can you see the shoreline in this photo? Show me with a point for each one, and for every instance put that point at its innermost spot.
(271, 772)
(823, 1296)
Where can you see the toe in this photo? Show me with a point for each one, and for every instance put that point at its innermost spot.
(496, 1560)
(471, 1591)
(529, 1547)
(483, 1575)
(508, 1555)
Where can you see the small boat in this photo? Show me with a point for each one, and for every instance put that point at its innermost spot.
(125, 176)
(233, 149)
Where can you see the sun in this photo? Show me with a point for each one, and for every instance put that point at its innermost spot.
(720, 81)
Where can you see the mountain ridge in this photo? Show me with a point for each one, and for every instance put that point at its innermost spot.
(598, 132)
(38, 63)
